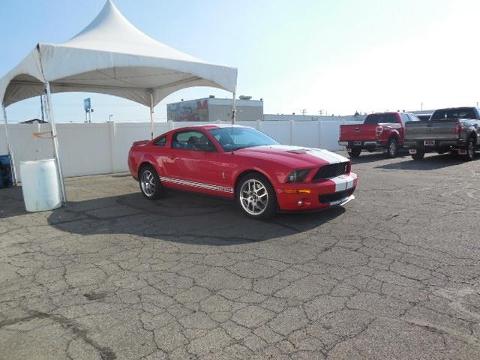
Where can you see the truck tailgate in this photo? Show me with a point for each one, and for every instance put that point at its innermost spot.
(444, 129)
(360, 132)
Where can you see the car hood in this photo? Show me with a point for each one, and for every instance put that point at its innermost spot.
(293, 156)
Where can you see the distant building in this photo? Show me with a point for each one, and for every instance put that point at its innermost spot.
(212, 109)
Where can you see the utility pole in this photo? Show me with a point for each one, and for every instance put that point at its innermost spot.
(41, 108)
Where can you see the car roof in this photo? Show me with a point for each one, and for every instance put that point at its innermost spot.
(457, 107)
(210, 126)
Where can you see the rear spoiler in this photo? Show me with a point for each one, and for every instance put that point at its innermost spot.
(140, 143)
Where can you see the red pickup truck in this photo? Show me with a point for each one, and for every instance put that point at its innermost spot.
(380, 131)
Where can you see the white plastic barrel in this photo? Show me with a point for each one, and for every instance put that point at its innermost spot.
(40, 185)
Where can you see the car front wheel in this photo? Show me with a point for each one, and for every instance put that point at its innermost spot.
(470, 154)
(256, 197)
(150, 183)
(392, 148)
(354, 152)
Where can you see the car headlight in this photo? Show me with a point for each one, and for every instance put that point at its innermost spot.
(297, 176)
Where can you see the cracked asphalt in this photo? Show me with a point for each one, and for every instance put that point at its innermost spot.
(394, 275)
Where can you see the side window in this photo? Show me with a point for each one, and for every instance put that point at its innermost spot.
(408, 117)
(161, 141)
(192, 140)
(413, 117)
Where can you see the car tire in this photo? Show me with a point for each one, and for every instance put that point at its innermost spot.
(256, 197)
(419, 155)
(354, 153)
(470, 155)
(392, 147)
(149, 182)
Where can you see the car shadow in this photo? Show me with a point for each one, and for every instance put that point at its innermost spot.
(430, 162)
(180, 218)
(375, 156)
(11, 202)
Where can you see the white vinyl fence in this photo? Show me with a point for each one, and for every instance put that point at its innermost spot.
(89, 149)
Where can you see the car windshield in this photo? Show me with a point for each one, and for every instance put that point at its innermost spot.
(234, 138)
(459, 113)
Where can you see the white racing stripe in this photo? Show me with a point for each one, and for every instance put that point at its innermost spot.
(328, 156)
(344, 182)
(197, 184)
(322, 154)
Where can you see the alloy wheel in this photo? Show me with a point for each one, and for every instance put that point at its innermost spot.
(254, 197)
(471, 149)
(147, 183)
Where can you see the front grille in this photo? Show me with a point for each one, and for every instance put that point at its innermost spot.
(328, 198)
(331, 171)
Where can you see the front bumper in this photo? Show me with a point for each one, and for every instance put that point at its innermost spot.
(320, 195)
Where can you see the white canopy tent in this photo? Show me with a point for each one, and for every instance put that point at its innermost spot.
(110, 56)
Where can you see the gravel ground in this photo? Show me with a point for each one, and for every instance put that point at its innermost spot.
(393, 275)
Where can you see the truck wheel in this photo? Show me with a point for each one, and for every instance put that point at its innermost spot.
(419, 155)
(392, 148)
(354, 152)
(470, 155)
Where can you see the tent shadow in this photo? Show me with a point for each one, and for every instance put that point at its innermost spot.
(180, 218)
(11, 202)
(434, 162)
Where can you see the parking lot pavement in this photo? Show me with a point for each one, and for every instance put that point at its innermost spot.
(394, 275)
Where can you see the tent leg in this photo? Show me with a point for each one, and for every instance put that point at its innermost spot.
(55, 141)
(152, 110)
(234, 107)
(9, 147)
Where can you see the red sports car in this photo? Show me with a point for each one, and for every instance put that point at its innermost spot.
(241, 163)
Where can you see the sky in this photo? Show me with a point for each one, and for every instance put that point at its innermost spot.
(333, 56)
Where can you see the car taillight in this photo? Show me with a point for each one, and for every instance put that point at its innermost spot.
(379, 130)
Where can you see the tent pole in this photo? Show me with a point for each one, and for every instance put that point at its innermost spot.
(152, 110)
(55, 141)
(9, 147)
(234, 107)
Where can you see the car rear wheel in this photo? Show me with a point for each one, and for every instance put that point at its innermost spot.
(419, 155)
(392, 148)
(354, 152)
(470, 155)
(149, 181)
(256, 197)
